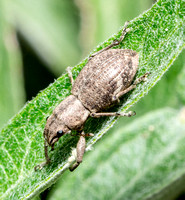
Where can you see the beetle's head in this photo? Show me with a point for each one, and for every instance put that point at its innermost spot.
(54, 129)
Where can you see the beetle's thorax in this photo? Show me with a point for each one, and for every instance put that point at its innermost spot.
(72, 112)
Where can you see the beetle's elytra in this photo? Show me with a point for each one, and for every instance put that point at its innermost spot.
(106, 77)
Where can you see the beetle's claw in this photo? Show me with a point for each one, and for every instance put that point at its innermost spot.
(131, 113)
(38, 167)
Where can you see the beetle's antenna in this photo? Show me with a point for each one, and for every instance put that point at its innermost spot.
(46, 156)
(46, 151)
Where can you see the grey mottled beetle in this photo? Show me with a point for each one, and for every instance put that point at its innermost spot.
(105, 78)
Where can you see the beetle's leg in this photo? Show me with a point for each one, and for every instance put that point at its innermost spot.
(70, 74)
(40, 166)
(129, 114)
(46, 151)
(131, 87)
(115, 42)
(86, 134)
(80, 148)
(116, 98)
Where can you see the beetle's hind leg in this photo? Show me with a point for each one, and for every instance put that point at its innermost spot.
(115, 42)
(116, 98)
(131, 87)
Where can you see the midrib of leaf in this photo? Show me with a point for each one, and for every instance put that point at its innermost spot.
(31, 120)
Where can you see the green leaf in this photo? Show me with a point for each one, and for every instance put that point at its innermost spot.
(11, 79)
(181, 85)
(158, 37)
(144, 160)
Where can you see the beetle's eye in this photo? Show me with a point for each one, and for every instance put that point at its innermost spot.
(59, 133)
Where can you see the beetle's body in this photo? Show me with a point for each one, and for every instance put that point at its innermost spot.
(103, 77)
(106, 77)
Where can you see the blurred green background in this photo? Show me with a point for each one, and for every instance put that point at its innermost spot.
(39, 39)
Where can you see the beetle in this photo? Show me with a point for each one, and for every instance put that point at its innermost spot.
(106, 77)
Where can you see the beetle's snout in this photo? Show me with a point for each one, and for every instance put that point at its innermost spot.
(53, 133)
(55, 137)
(53, 141)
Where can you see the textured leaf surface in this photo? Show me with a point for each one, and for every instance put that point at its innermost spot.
(144, 160)
(158, 37)
(167, 88)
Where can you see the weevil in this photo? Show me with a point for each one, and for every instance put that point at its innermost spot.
(106, 77)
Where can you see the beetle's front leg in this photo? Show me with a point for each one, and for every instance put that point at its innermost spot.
(80, 149)
(40, 166)
(70, 74)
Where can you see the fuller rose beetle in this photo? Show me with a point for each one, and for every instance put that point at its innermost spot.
(106, 77)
